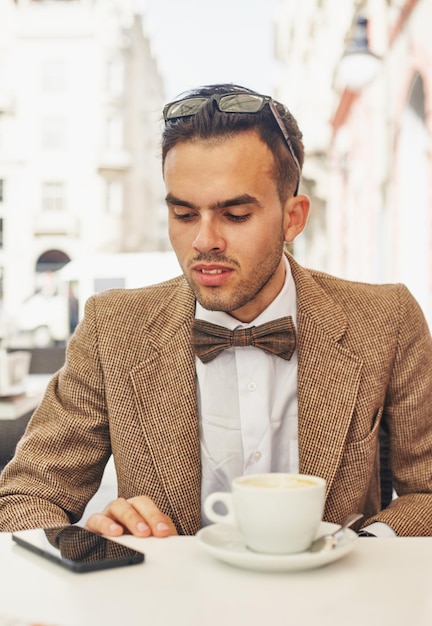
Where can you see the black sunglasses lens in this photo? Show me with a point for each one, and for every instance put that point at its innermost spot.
(190, 106)
(241, 103)
(227, 103)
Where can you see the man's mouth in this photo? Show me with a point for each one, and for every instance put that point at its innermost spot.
(212, 276)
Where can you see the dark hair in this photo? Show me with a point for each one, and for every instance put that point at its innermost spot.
(209, 122)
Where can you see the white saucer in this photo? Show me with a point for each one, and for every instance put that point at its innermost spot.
(226, 544)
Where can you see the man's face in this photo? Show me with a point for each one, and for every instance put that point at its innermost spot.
(226, 222)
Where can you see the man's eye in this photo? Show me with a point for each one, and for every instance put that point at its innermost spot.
(237, 218)
(183, 216)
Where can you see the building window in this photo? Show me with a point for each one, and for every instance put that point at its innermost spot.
(114, 197)
(1, 233)
(53, 133)
(53, 196)
(1, 190)
(54, 76)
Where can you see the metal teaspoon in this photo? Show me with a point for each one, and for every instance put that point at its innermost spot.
(330, 540)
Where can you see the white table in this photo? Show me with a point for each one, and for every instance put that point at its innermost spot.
(381, 582)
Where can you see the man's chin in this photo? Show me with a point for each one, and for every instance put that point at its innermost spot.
(211, 305)
(211, 302)
(211, 298)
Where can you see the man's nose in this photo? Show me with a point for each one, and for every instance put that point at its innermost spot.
(208, 238)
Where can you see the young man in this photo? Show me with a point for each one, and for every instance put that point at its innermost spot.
(182, 420)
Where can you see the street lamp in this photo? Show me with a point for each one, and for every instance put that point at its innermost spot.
(358, 65)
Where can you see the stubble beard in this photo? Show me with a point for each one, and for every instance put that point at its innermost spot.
(219, 299)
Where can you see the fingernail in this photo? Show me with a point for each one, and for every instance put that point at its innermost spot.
(162, 526)
(142, 527)
(114, 527)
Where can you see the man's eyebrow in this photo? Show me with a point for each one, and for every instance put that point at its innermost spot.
(171, 199)
(244, 198)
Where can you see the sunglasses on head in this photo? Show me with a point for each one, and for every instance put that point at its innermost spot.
(239, 102)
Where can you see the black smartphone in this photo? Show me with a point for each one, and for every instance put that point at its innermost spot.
(76, 548)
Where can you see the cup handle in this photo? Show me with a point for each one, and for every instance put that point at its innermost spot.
(226, 499)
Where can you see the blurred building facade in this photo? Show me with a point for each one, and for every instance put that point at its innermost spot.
(368, 142)
(80, 102)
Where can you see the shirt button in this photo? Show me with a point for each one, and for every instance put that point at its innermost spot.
(256, 455)
(251, 386)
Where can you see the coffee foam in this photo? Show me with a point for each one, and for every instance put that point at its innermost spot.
(277, 481)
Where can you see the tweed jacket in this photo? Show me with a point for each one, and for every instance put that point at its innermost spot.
(128, 388)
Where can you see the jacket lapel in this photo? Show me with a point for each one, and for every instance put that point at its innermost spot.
(165, 389)
(328, 378)
(164, 384)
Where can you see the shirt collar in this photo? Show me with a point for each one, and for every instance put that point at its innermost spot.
(285, 303)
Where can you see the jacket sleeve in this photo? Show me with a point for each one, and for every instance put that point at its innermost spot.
(59, 461)
(408, 414)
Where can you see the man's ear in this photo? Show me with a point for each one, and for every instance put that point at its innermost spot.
(296, 211)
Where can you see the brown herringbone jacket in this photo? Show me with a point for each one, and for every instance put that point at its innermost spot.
(128, 388)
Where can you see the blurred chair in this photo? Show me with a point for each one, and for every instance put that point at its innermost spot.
(385, 469)
(44, 360)
(47, 360)
(39, 361)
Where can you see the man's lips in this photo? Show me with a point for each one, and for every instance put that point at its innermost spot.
(212, 275)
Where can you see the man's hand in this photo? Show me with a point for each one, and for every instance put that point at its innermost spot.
(138, 516)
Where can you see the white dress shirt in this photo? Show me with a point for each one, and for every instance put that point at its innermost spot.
(247, 404)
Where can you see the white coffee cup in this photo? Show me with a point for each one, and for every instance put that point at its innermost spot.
(276, 513)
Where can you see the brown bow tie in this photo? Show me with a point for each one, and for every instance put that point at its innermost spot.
(277, 337)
